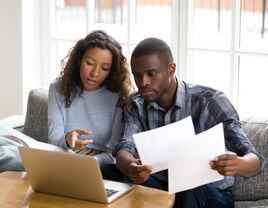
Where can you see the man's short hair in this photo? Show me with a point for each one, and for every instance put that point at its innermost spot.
(152, 45)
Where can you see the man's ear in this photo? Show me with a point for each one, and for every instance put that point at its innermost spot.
(172, 68)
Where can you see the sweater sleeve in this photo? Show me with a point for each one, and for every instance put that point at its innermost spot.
(56, 132)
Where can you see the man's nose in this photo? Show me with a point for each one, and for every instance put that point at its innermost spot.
(144, 80)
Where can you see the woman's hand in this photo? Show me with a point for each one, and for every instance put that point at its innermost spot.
(73, 141)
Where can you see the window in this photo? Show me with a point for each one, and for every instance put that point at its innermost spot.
(227, 48)
(219, 43)
(128, 21)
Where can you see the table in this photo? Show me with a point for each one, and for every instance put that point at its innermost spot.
(15, 191)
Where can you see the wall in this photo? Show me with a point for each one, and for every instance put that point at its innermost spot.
(11, 86)
(20, 52)
(31, 47)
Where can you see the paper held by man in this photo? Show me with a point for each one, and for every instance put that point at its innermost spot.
(186, 156)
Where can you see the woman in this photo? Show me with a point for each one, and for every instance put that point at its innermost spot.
(86, 100)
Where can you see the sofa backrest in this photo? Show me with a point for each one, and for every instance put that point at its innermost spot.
(35, 124)
(254, 188)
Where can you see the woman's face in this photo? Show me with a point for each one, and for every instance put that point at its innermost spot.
(95, 68)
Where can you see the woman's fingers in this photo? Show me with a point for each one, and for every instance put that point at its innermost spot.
(81, 143)
(73, 141)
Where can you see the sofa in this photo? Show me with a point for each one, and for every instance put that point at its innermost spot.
(252, 192)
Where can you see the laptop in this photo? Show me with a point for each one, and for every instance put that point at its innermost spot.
(69, 175)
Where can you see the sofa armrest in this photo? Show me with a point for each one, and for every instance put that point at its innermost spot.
(35, 124)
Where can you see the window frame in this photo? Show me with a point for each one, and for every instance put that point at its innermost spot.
(185, 49)
(48, 35)
(180, 33)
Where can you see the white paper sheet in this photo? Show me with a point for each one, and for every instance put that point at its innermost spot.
(153, 145)
(189, 160)
(30, 142)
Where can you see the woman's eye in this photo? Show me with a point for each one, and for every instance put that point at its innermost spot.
(105, 69)
(90, 63)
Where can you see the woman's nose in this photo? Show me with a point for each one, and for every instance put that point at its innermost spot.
(95, 71)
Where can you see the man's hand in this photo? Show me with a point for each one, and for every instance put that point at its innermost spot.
(137, 172)
(229, 164)
(226, 164)
(132, 167)
(73, 141)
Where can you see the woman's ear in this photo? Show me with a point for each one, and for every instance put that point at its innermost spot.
(171, 68)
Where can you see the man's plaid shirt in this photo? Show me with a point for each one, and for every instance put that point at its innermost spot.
(207, 107)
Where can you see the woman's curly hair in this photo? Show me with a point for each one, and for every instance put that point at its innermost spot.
(118, 80)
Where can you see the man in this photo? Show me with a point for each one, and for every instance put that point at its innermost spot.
(163, 99)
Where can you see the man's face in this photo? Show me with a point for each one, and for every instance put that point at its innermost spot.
(151, 76)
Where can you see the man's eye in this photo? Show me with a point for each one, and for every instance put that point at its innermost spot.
(151, 74)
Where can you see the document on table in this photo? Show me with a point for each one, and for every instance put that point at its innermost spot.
(153, 145)
(9, 132)
(186, 156)
(189, 160)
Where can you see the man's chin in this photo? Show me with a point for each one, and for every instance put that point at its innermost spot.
(149, 98)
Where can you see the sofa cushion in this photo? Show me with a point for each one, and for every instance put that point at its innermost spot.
(35, 124)
(254, 188)
(252, 204)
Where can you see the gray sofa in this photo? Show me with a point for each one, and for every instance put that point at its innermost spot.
(252, 192)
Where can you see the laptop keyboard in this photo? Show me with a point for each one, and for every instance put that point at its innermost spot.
(110, 192)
